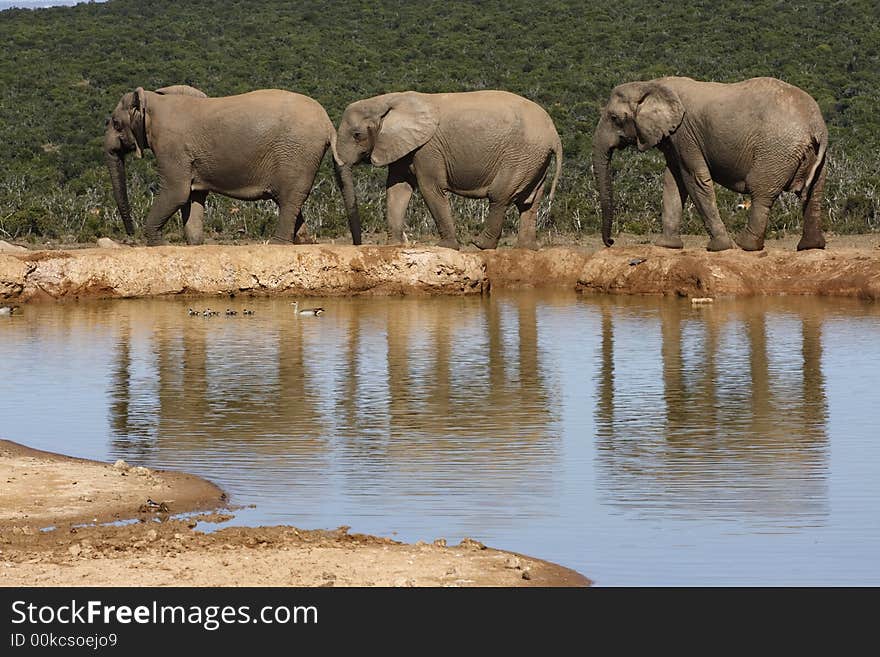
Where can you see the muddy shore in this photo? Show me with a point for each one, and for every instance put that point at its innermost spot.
(158, 548)
(849, 266)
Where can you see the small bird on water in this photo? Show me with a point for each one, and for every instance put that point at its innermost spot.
(247, 312)
(313, 312)
(231, 313)
(8, 310)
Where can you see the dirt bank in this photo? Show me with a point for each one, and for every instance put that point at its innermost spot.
(697, 273)
(42, 489)
(850, 266)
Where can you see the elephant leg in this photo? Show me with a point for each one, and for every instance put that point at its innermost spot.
(438, 204)
(169, 200)
(289, 219)
(701, 189)
(812, 237)
(488, 239)
(193, 214)
(527, 237)
(674, 196)
(398, 191)
(301, 232)
(752, 236)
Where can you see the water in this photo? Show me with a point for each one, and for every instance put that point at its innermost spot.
(639, 441)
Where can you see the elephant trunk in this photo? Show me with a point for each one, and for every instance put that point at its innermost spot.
(602, 151)
(116, 166)
(345, 181)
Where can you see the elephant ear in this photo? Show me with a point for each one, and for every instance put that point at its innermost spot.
(409, 122)
(658, 115)
(137, 112)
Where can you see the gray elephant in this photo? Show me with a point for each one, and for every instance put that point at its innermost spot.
(759, 137)
(478, 144)
(265, 144)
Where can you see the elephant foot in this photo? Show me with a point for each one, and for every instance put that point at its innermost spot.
(304, 239)
(749, 242)
(155, 241)
(811, 242)
(527, 243)
(719, 244)
(449, 243)
(669, 242)
(482, 242)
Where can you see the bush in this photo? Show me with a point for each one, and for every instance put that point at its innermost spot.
(65, 68)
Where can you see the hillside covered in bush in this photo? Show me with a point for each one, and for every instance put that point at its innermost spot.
(63, 70)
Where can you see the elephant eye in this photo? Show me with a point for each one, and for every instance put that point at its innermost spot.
(358, 135)
(116, 124)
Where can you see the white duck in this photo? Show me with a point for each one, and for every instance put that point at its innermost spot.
(312, 312)
(8, 310)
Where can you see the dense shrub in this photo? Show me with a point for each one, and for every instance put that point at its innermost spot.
(63, 70)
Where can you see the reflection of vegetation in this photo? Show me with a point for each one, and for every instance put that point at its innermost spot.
(64, 69)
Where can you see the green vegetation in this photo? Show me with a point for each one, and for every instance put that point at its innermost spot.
(63, 69)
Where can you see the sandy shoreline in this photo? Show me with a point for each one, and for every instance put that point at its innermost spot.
(42, 489)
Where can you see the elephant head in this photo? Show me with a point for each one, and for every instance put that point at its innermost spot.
(126, 132)
(640, 113)
(385, 128)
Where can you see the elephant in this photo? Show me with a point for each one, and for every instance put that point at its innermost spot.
(265, 144)
(760, 137)
(478, 144)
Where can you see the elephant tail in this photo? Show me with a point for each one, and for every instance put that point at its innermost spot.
(822, 142)
(557, 152)
(336, 159)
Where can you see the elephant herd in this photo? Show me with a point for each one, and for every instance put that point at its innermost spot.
(759, 137)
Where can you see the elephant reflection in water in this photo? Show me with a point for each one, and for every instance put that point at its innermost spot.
(727, 426)
(461, 391)
(234, 386)
(402, 383)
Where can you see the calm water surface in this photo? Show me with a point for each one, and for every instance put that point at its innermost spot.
(638, 441)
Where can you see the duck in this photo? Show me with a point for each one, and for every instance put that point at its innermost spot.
(313, 312)
(207, 312)
(8, 310)
(152, 505)
(192, 313)
(247, 312)
(231, 313)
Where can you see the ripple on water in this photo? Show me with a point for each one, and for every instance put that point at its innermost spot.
(639, 441)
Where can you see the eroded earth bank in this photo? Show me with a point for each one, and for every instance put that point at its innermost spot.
(848, 267)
